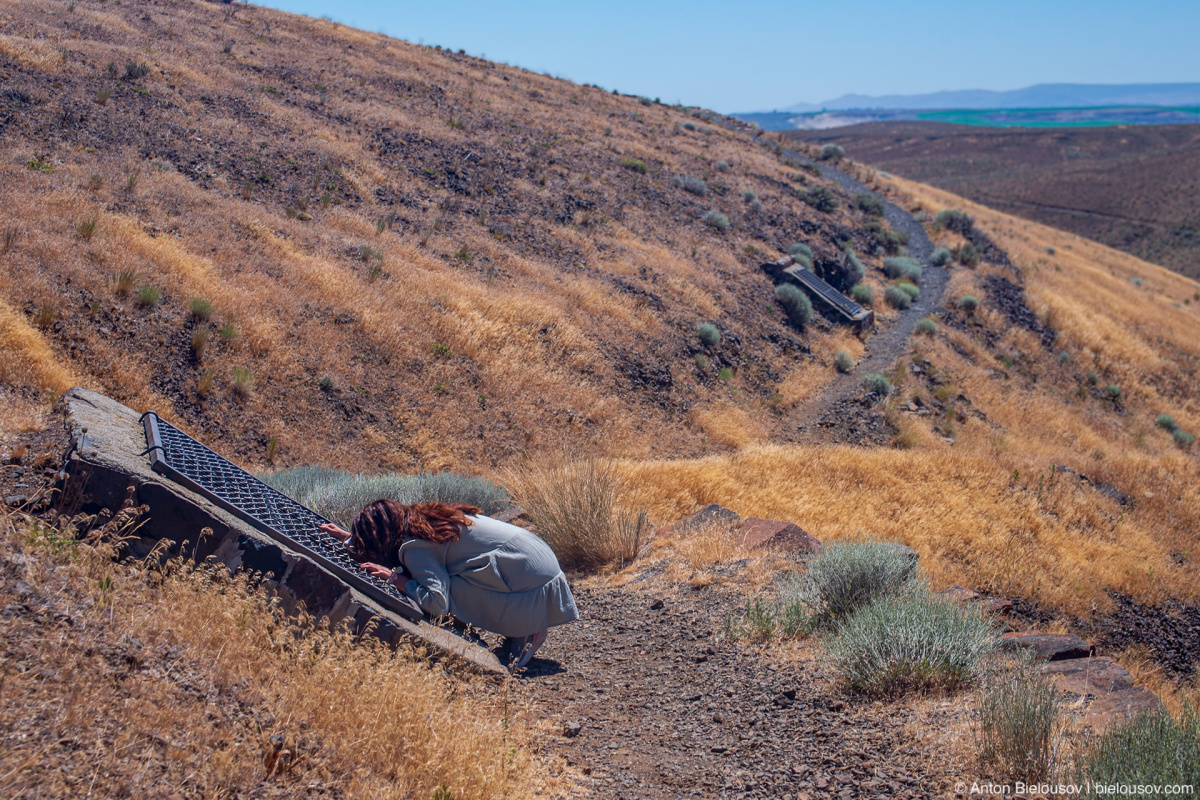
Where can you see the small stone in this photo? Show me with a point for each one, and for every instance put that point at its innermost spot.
(15, 500)
(572, 729)
(656, 605)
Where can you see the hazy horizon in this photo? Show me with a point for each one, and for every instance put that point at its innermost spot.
(773, 55)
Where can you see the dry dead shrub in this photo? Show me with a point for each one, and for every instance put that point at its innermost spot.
(575, 505)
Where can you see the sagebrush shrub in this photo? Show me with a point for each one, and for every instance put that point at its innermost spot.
(862, 294)
(911, 642)
(1183, 438)
(869, 204)
(925, 327)
(1112, 392)
(849, 575)
(822, 198)
(902, 267)
(1151, 748)
(340, 495)
(968, 303)
(897, 297)
(832, 152)
(1167, 423)
(909, 289)
(941, 256)
(715, 219)
(690, 183)
(968, 255)
(795, 302)
(842, 361)
(800, 249)
(953, 220)
(749, 196)
(874, 382)
(709, 334)
(722, 166)
(853, 268)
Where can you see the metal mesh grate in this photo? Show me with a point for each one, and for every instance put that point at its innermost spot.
(186, 461)
(831, 295)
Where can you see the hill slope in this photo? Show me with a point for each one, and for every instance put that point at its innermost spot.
(412, 258)
(1134, 188)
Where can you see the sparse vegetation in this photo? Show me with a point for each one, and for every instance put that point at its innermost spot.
(925, 327)
(832, 152)
(953, 220)
(710, 334)
(869, 204)
(1167, 423)
(635, 165)
(909, 289)
(200, 338)
(102, 96)
(1183, 438)
(204, 383)
(134, 70)
(43, 318)
(968, 303)
(968, 255)
(941, 257)
(340, 495)
(148, 296)
(842, 361)
(1150, 749)
(87, 229)
(795, 302)
(862, 294)
(576, 507)
(911, 642)
(853, 268)
(897, 297)
(902, 267)
(228, 332)
(1112, 392)
(243, 382)
(1018, 726)
(200, 309)
(877, 384)
(715, 219)
(822, 198)
(690, 183)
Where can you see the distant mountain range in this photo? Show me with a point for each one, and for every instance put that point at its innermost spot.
(1043, 95)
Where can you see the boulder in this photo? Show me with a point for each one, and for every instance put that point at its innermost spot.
(757, 533)
(711, 514)
(1105, 689)
(1049, 646)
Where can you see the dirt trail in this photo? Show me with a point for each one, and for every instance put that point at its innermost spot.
(667, 707)
(823, 416)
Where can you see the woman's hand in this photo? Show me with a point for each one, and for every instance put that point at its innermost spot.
(376, 571)
(341, 534)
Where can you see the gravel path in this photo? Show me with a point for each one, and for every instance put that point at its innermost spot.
(887, 344)
(648, 699)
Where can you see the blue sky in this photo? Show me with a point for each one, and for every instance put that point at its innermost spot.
(751, 56)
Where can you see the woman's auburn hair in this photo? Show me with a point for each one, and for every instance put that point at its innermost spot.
(382, 526)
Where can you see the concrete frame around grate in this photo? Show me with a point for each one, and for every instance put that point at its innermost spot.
(107, 458)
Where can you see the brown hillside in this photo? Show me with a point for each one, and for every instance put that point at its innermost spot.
(1135, 188)
(414, 258)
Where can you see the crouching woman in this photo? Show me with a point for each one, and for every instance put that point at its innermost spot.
(453, 560)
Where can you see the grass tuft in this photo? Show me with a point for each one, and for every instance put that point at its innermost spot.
(87, 229)
(148, 296)
(576, 507)
(1150, 749)
(635, 165)
(1017, 729)
(842, 361)
(243, 382)
(200, 309)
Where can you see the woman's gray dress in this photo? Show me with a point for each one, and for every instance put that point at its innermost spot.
(497, 577)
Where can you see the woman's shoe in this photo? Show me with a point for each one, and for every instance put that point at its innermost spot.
(520, 650)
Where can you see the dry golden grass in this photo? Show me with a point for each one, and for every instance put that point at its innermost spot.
(179, 682)
(992, 511)
(524, 299)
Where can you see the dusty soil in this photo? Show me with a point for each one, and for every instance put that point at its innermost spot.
(667, 706)
(1133, 188)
